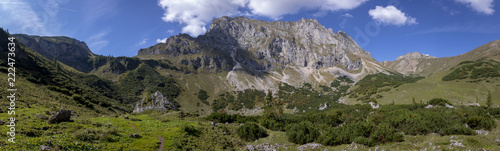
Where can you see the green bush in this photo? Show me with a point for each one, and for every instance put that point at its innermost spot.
(304, 132)
(439, 102)
(219, 104)
(251, 132)
(364, 141)
(458, 130)
(478, 122)
(191, 130)
(385, 133)
(494, 112)
(272, 124)
(203, 96)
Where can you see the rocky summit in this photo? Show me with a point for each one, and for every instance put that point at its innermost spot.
(303, 50)
(408, 63)
(261, 45)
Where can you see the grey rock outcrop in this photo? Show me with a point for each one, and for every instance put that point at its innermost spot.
(60, 116)
(154, 101)
(260, 45)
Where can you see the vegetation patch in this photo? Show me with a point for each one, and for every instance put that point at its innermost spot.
(477, 70)
(372, 84)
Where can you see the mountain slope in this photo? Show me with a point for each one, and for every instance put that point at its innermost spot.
(465, 79)
(67, 50)
(48, 83)
(426, 65)
(409, 63)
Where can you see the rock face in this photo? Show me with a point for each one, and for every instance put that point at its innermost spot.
(154, 101)
(410, 63)
(260, 45)
(67, 50)
(260, 55)
(60, 116)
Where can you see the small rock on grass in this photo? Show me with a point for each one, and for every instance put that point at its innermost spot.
(44, 148)
(135, 135)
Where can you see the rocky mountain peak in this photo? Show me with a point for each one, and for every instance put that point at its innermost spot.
(414, 55)
(410, 63)
(303, 48)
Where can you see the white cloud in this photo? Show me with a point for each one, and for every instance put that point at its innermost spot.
(347, 15)
(481, 6)
(170, 31)
(195, 14)
(20, 16)
(97, 42)
(164, 40)
(344, 18)
(391, 15)
(142, 42)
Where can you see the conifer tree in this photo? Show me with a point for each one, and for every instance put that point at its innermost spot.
(488, 100)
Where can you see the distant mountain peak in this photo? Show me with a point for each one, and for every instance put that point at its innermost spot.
(415, 55)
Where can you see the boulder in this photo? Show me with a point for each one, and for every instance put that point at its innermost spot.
(60, 116)
(44, 148)
(154, 101)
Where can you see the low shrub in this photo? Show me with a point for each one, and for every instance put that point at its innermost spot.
(478, 122)
(458, 130)
(304, 132)
(251, 132)
(439, 102)
(364, 141)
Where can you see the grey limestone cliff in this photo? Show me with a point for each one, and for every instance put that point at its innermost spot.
(260, 45)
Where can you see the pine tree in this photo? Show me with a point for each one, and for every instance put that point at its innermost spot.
(270, 105)
(488, 100)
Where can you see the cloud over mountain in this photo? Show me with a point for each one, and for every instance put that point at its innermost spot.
(195, 14)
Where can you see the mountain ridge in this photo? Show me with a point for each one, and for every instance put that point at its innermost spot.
(425, 65)
(69, 51)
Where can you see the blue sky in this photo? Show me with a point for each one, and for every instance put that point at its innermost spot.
(387, 29)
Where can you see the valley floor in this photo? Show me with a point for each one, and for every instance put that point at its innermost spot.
(183, 131)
